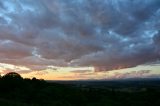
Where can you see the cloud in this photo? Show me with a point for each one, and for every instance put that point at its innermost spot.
(81, 71)
(17, 71)
(133, 74)
(108, 34)
(41, 73)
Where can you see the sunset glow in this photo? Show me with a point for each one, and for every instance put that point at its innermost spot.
(80, 39)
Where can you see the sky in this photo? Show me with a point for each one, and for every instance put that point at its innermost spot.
(80, 39)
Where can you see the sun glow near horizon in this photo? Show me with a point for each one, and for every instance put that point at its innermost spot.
(81, 73)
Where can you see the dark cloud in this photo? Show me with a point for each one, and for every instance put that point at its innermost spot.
(133, 74)
(107, 34)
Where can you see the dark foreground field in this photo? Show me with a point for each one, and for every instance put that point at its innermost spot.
(16, 91)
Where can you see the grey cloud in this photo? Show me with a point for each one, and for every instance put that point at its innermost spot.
(34, 63)
(108, 34)
(157, 38)
(13, 50)
(81, 71)
(133, 74)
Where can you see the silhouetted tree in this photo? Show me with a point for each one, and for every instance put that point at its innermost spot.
(12, 76)
(11, 81)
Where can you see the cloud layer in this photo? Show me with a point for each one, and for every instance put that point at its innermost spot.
(105, 34)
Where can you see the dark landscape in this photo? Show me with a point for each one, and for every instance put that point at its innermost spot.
(16, 91)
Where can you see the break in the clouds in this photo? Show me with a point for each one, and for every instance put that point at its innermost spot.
(105, 34)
